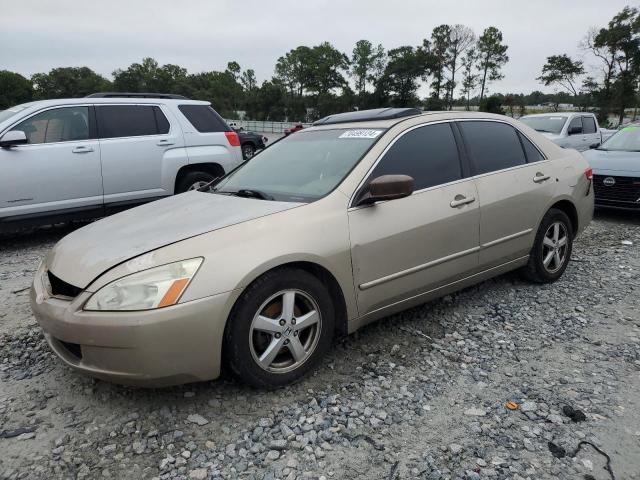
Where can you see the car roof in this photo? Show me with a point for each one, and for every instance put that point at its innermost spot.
(556, 114)
(112, 100)
(436, 116)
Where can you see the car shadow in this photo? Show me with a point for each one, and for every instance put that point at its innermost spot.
(617, 216)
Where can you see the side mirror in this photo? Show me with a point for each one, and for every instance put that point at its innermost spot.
(387, 187)
(13, 138)
(574, 130)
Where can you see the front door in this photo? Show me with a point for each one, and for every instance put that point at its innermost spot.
(575, 135)
(402, 248)
(58, 170)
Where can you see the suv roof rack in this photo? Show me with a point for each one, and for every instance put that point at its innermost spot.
(136, 95)
(363, 115)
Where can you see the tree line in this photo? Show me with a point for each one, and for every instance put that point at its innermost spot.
(456, 65)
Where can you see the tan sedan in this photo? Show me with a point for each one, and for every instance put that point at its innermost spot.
(360, 216)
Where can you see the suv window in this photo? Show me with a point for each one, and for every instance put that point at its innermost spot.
(588, 125)
(429, 154)
(530, 150)
(575, 123)
(204, 118)
(130, 121)
(66, 124)
(492, 145)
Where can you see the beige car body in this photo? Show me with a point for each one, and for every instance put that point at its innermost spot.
(377, 259)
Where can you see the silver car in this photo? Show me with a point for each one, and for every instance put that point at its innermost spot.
(360, 216)
(89, 157)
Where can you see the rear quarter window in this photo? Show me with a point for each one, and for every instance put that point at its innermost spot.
(204, 118)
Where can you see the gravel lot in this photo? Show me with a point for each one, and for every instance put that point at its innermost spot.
(418, 395)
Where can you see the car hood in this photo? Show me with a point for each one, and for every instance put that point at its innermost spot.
(551, 136)
(606, 162)
(80, 257)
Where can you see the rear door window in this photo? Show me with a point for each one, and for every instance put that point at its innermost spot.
(428, 154)
(66, 124)
(492, 145)
(129, 120)
(588, 125)
(204, 118)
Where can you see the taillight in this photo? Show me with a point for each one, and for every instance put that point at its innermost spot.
(589, 173)
(234, 139)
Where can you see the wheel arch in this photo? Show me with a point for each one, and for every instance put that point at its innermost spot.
(214, 169)
(568, 207)
(319, 271)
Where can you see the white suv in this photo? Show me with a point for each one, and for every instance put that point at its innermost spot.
(89, 157)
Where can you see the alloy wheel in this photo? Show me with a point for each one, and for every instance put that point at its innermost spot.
(197, 185)
(285, 331)
(554, 247)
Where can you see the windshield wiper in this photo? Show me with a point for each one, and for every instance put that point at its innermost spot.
(247, 193)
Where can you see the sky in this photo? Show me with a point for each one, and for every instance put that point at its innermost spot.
(201, 35)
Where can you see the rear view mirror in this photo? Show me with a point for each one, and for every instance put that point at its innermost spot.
(574, 130)
(387, 187)
(13, 138)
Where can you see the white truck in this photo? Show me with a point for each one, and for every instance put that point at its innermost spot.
(579, 130)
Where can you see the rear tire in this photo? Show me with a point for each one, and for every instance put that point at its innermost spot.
(552, 248)
(248, 151)
(280, 328)
(193, 181)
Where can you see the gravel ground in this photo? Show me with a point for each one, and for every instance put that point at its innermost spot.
(422, 394)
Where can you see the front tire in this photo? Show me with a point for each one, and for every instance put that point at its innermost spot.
(280, 329)
(552, 248)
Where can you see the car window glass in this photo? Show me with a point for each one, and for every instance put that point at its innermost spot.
(204, 118)
(532, 153)
(492, 145)
(125, 121)
(57, 125)
(575, 123)
(427, 154)
(588, 125)
(161, 121)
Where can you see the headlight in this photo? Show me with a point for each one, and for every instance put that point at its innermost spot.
(154, 288)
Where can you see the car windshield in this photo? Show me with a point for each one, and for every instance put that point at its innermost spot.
(546, 124)
(301, 168)
(625, 140)
(10, 112)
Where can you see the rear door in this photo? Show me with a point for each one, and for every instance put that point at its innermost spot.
(58, 170)
(138, 144)
(590, 131)
(514, 186)
(402, 248)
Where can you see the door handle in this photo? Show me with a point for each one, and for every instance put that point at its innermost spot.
(82, 150)
(461, 200)
(164, 143)
(541, 177)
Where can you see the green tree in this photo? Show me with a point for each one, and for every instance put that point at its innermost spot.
(492, 104)
(492, 56)
(469, 78)
(367, 64)
(14, 89)
(294, 70)
(326, 69)
(400, 80)
(438, 49)
(68, 82)
(562, 70)
(248, 80)
(148, 76)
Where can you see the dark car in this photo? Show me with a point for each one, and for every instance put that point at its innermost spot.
(293, 129)
(250, 142)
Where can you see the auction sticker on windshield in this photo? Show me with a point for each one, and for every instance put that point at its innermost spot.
(361, 134)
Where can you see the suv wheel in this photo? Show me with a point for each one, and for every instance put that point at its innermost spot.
(551, 251)
(193, 181)
(248, 151)
(280, 329)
